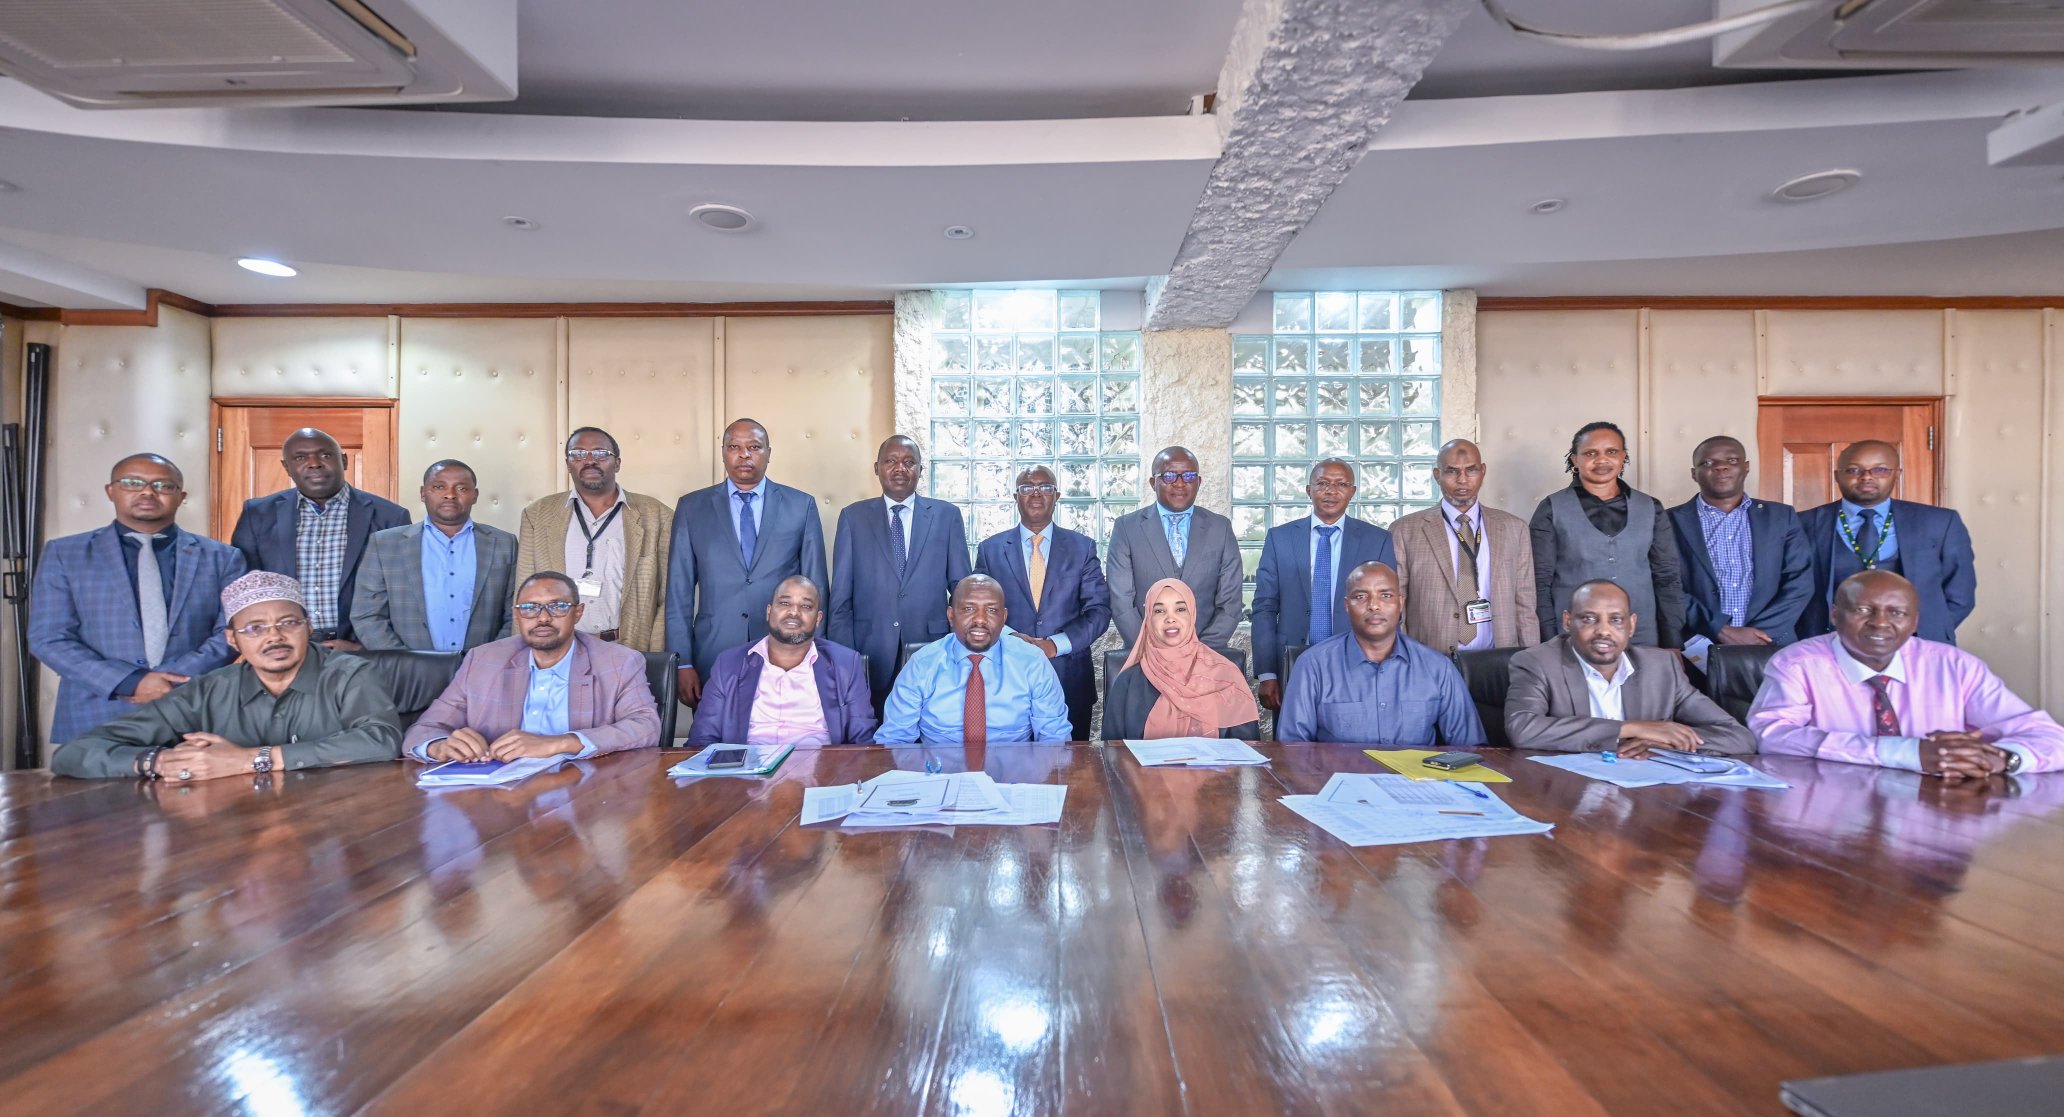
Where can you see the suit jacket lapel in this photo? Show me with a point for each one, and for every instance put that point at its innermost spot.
(580, 690)
(356, 529)
(106, 550)
(827, 697)
(1300, 530)
(1014, 557)
(1433, 535)
(1686, 517)
(1579, 694)
(1150, 518)
(409, 565)
(183, 575)
(1766, 555)
(483, 563)
(286, 519)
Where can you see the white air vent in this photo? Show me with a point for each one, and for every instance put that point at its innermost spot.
(1899, 34)
(113, 53)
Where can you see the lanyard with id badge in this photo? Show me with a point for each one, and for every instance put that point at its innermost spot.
(590, 586)
(1477, 611)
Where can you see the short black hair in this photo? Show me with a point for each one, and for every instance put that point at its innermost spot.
(578, 431)
(1594, 583)
(115, 470)
(551, 576)
(1698, 452)
(1569, 460)
(451, 463)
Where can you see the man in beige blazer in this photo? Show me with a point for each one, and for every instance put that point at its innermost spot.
(614, 544)
(1441, 578)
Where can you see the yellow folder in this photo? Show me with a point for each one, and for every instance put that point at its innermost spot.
(1412, 762)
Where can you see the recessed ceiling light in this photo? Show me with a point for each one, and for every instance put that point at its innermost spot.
(515, 222)
(1819, 184)
(266, 267)
(959, 232)
(1548, 205)
(723, 218)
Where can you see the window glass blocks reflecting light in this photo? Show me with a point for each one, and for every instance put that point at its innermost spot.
(1342, 374)
(1029, 377)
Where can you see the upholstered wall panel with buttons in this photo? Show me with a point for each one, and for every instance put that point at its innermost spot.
(303, 357)
(485, 391)
(1701, 382)
(1853, 353)
(1541, 374)
(1994, 477)
(651, 383)
(824, 389)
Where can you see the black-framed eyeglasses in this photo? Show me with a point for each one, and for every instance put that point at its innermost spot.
(286, 627)
(1876, 472)
(1170, 477)
(1037, 490)
(529, 610)
(589, 455)
(138, 484)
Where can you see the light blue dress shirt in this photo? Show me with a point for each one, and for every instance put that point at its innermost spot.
(1311, 557)
(545, 705)
(448, 577)
(1182, 525)
(1414, 696)
(1024, 695)
(1889, 531)
(758, 502)
(1062, 645)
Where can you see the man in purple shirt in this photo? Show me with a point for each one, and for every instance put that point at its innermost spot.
(1870, 693)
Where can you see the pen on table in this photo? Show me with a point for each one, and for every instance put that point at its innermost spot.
(1476, 791)
(1478, 814)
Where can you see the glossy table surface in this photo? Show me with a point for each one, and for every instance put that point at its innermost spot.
(603, 940)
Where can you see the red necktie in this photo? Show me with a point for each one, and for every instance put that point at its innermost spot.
(1881, 706)
(974, 711)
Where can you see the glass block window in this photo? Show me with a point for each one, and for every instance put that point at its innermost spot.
(1346, 374)
(1029, 377)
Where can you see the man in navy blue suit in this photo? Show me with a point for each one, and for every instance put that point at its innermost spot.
(893, 566)
(1868, 530)
(1302, 562)
(1746, 565)
(1053, 589)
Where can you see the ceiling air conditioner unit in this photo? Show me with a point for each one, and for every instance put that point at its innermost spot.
(160, 53)
(1897, 35)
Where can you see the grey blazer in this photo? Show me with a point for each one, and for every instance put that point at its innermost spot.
(388, 610)
(1140, 557)
(1547, 705)
(713, 601)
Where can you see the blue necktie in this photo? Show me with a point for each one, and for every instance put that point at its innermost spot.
(1322, 587)
(1867, 537)
(748, 531)
(897, 547)
(1177, 545)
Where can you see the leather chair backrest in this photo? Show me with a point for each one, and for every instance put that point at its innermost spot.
(1290, 654)
(660, 668)
(903, 655)
(1734, 673)
(413, 679)
(1488, 674)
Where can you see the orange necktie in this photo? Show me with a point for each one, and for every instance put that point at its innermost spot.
(1037, 570)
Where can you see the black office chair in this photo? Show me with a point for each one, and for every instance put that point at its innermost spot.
(413, 679)
(903, 654)
(1290, 654)
(1488, 674)
(1734, 673)
(660, 675)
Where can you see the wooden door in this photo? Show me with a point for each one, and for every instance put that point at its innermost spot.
(249, 435)
(1799, 440)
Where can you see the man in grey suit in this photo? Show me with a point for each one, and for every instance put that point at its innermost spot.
(1172, 538)
(734, 544)
(1589, 690)
(442, 585)
(895, 561)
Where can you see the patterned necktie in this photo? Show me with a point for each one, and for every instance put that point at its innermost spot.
(974, 708)
(1465, 530)
(1035, 570)
(1177, 545)
(1867, 536)
(898, 546)
(748, 531)
(1322, 586)
(150, 600)
(1886, 718)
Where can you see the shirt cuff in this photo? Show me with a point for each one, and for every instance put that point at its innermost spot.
(587, 747)
(1062, 645)
(2028, 761)
(1695, 650)
(1900, 752)
(1265, 676)
(127, 687)
(422, 751)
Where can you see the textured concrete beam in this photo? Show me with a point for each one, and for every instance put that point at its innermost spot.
(1306, 85)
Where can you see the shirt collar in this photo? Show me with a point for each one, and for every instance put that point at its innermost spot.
(573, 497)
(171, 532)
(731, 488)
(1859, 672)
(465, 530)
(562, 670)
(959, 653)
(760, 649)
(1402, 650)
(1169, 514)
(908, 504)
(1317, 523)
(305, 679)
(1451, 513)
(1707, 509)
(1856, 510)
(1619, 677)
(338, 500)
(1026, 531)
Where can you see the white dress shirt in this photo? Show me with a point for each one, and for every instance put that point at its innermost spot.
(1607, 701)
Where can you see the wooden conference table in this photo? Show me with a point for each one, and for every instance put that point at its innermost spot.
(600, 940)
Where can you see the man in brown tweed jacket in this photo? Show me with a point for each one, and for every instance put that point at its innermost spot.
(614, 544)
(1467, 570)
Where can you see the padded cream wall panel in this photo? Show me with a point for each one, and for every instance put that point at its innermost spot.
(302, 357)
(485, 391)
(1994, 477)
(651, 383)
(1541, 374)
(1853, 353)
(1701, 382)
(824, 388)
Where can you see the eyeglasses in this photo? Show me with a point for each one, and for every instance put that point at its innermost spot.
(1187, 477)
(286, 627)
(589, 455)
(529, 610)
(1333, 486)
(1876, 472)
(1037, 490)
(138, 484)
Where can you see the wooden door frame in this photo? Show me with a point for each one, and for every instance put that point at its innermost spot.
(225, 518)
(1770, 483)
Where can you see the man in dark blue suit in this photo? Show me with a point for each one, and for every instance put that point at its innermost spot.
(1067, 606)
(1746, 565)
(1868, 530)
(791, 689)
(122, 627)
(893, 566)
(1303, 562)
(315, 533)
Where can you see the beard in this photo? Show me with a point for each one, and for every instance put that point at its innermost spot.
(789, 639)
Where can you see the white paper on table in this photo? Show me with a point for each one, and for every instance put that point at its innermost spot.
(1025, 804)
(1648, 773)
(758, 762)
(1359, 825)
(1194, 752)
(965, 791)
(823, 804)
(1388, 792)
(511, 772)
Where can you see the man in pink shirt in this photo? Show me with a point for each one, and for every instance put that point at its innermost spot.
(1870, 693)
(791, 688)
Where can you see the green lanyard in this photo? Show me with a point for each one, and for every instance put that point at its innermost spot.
(1870, 561)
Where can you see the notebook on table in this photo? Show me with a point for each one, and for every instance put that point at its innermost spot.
(2013, 1088)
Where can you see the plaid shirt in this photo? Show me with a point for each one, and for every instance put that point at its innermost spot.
(320, 534)
(1732, 550)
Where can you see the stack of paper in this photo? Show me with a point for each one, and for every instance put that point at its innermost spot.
(758, 762)
(1194, 752)
(486, 773)
(1370, 810)
(1648, 773)
(900, 798)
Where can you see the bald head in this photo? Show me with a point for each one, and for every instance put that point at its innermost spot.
(1460, 472)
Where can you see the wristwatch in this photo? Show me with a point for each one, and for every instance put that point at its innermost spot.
(2013, 761)
(263, 763)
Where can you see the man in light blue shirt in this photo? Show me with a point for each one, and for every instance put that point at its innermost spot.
(442, 585)
(448, 578)
(974, 687)
(1373, 684)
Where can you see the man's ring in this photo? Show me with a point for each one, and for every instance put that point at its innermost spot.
(185, 774)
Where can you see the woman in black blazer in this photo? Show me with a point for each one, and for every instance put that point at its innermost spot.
(1173, 685)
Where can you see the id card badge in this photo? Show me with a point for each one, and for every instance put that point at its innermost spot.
(590, 589)
(1477, 612)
